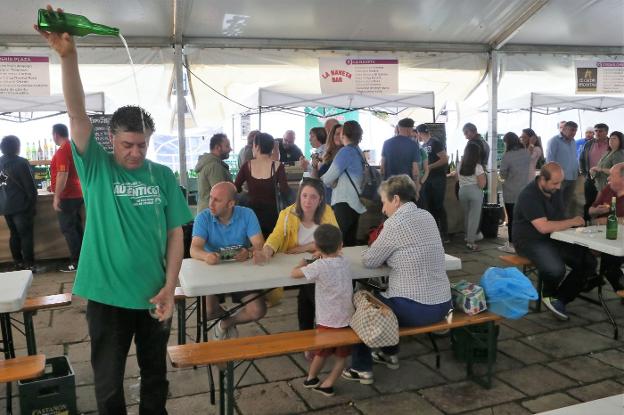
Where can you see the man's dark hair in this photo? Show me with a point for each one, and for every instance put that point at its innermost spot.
(128, 119)
(422, 128)
(406, 123)
(328, 238)
(10, 145)
(264, 142)
(60, 129)
(570, 124)
(470, 127)
(320, 134)
(353, 131)
(217, 140)
(601, 126)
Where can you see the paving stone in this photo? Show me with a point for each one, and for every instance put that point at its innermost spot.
(79, 352)
(287, 306)
(613, 358)
(525, 326)
(340, 409)
(569, 342)
(467, 395)
(278, 368)
(596, 391)
(549, 402)
(190, 381)
(279, 324)
(346, 392)
(548, 320)
(400, 403)
(506, 332)
(586, 311)
(85, 398)
(585, 369)
(504, 409)
(411, 375)
(194, 404)
(605, 328)
(451, 368)
(521, 352)
(535, 380)
(269, 398)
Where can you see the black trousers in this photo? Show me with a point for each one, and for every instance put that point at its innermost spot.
(435, 191)
(590, 195)
(509, 207)
(347, 219)
(71, 226)
(306, 307)
(550, 258)
(21, 240)
(111, 330)
(611, 268)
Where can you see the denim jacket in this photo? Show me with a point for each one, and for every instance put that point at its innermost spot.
(348, 159)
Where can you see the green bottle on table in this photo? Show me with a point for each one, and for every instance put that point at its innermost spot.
(612, 222)
(74, 24)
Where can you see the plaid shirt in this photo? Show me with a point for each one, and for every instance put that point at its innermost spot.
(411, 246)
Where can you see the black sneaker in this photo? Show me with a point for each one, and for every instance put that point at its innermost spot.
(557, 307)
(311, 383)
(69, 268)
(390, 360)
(365, 378)
(329, 391)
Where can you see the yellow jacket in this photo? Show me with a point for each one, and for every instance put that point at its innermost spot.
(286, 232)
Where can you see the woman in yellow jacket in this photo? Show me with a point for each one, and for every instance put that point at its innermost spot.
(293, 234)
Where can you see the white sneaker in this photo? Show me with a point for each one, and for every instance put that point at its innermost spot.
(219, 334)
(479, 237)
(509, 248)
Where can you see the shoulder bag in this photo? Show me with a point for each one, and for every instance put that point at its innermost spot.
(373, 321)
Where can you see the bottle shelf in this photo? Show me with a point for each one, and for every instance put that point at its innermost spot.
(39, 162)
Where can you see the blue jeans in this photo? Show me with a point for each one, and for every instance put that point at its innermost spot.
(410, 314)
(550, 257)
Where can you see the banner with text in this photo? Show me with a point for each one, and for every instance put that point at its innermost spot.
(599, 77)
(361, 75)
(24, 75)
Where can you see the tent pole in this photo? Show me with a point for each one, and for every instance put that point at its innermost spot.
(531, 110)
(181, 106)
(493, 78)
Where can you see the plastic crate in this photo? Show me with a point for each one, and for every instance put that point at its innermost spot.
(461, 336)
(54, 393)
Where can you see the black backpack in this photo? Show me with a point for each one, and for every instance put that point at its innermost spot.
(371, 179)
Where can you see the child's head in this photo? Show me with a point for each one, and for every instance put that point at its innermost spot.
(328, 239)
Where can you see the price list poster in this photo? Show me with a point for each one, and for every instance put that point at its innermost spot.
(24, 75)
(600, 77)
(359, 75)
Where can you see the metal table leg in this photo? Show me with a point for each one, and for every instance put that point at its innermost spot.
(29, 331)
(9, 352)
(181, 310)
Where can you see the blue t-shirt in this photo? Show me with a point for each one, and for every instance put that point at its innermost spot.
(243, 225)
(399, 153)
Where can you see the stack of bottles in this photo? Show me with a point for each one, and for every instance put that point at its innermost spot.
(35, 150)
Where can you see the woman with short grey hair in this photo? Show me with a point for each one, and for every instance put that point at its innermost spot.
(418, 291)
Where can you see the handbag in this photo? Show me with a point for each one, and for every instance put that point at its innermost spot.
(373, 321)
(371, 179)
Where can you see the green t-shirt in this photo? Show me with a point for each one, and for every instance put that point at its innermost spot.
(122, 262)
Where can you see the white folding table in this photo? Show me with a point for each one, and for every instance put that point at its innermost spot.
(595, 237)
(12, 296)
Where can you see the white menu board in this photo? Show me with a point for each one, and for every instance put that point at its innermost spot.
(24, 75)
(361, 75)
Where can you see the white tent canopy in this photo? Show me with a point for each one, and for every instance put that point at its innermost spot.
(553, 103)
(95, 102)
(272, 98)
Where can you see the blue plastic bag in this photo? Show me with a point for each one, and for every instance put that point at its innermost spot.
(508, 291)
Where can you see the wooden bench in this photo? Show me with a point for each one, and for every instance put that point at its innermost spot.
(527, 269)
(20, 368)
(256, 347)
(30, 308)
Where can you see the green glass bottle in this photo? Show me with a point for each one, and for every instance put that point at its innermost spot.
(74, 24)
(612, 222)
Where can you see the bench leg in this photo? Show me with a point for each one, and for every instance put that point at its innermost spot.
(181, 310)
(29, 328)
(226, 390)
(435, 349)
(9, 352)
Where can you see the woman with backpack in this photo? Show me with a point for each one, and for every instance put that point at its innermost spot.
(345, 176)
(18, 200)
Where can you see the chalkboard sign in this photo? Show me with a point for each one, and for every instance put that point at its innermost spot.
(100, 129)
(438, 131)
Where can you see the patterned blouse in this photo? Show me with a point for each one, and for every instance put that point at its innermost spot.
(410, 245)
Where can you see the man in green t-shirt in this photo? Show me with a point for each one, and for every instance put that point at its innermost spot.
(132, 248)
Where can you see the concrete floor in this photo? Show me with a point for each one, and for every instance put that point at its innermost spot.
(542, 363)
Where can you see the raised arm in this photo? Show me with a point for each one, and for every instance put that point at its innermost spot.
(79, 122)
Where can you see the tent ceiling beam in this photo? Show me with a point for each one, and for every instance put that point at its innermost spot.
(522, 16)
(316, 44)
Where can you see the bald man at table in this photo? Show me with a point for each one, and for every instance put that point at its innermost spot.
(225, 225)
(611, 265)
